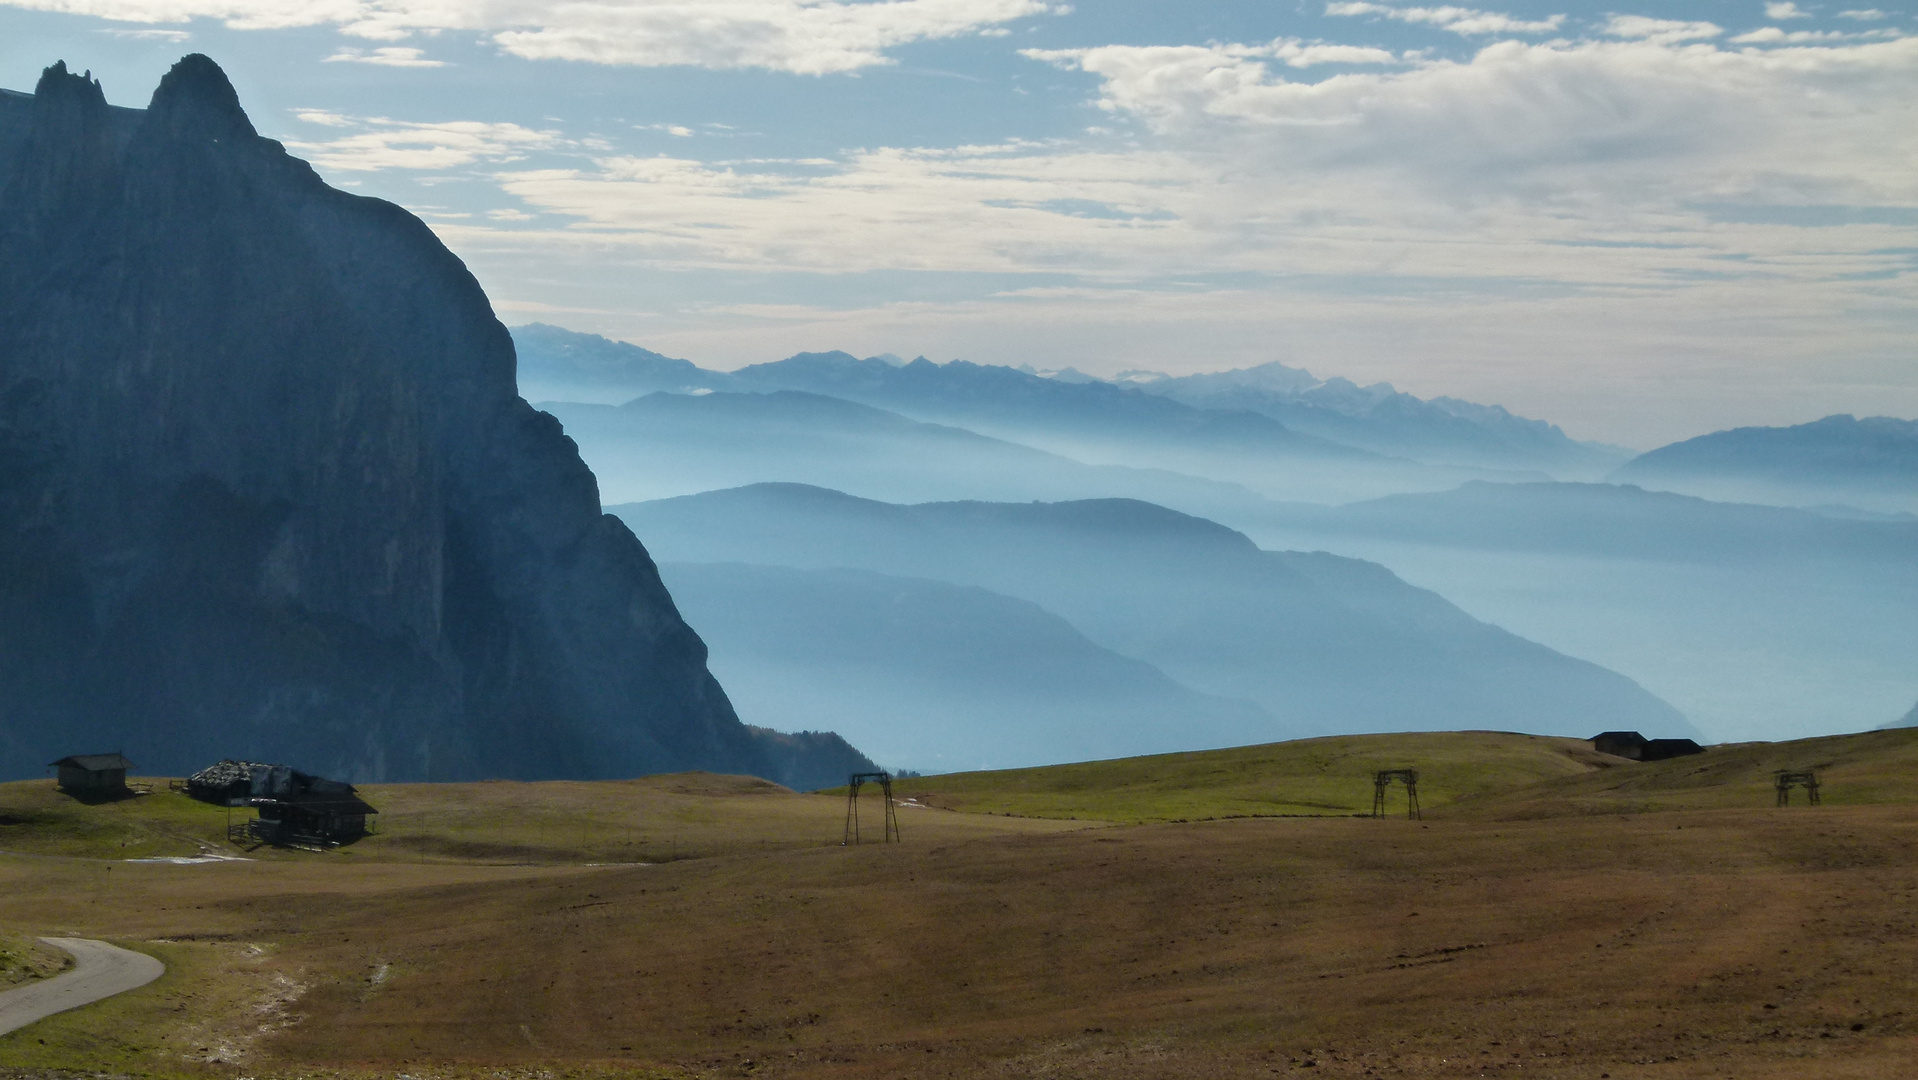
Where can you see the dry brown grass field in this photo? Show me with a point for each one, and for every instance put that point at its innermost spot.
(1657, 920)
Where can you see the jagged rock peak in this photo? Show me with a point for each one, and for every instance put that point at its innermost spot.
(195, 99)
(271, 493)
(57, 84)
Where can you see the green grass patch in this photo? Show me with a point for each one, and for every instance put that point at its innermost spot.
(36, 818)
(653, 819)
(138, 1033)
(1308, 777)
(23, 960)
(1870, 768)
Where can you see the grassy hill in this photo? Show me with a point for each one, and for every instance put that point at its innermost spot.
(651, 819)
(1873, 767)
(656, 819)
(1308, 777)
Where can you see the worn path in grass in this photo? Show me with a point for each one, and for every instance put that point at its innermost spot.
(99, 971)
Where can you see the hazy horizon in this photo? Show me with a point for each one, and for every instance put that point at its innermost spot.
(1641, 224)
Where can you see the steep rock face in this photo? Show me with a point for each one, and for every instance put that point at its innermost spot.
(267, 488)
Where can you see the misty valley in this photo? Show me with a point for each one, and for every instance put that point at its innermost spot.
(1451, 566)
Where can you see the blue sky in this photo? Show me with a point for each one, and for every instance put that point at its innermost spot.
(1642, 223)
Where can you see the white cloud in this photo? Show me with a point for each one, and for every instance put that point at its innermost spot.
(810, 37)
(148, 35)
(1458, 20)
(1504, 168)
(323, 117)
(1786, 10)
(1864, 14)
(1660, 31)
(1772, 35)
(389, 56)
(1301, 55)
(381, 143)
(1620, 120)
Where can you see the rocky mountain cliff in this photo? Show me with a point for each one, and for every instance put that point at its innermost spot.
(267, 488)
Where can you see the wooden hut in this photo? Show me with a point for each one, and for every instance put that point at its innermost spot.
(1625, 744)
(1660, 749)
(93, 775)
(1630, 744)
(330, 815)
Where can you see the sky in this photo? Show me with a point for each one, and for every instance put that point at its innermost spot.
(1642, 223)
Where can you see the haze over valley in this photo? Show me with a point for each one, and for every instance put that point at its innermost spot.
(1744, 620)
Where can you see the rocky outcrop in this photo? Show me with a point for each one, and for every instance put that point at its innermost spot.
(267, 488)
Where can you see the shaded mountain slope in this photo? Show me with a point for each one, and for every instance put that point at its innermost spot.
(267, 489)
(1322, 643)
(934, 676)
(1871, 461)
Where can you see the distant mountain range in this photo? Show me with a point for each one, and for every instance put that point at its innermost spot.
(556, 364)
(937, 676)
(1387, 421)
(1870, 462)
(667, 444)
(1086, 420)
(1757, 621)
(1319, 642)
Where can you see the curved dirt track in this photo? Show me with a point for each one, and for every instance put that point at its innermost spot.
(99, 971)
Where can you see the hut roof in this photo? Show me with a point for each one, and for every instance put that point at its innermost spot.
(93, 762)
(225, 773)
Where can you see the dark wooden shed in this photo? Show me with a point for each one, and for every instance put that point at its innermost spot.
(1660, 749)
(1630, 744)
(1625, 744)
(93, 774)
(313, 816)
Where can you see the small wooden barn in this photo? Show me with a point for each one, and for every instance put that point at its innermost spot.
(313, 816)
(1630, 744)
(1660, 749)
(93, 775)
(294, 807)
(1625, 744)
